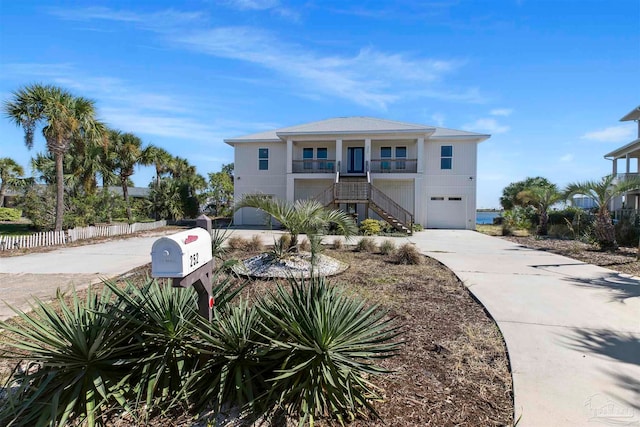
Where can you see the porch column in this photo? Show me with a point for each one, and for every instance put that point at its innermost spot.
(338, 154)
(615, 166)
(367, 154)
(289, 156)
(420, 155)
(628, 159)
(291, 186)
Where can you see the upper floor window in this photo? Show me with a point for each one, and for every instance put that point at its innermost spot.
(385, 153)
(263, 159)
(307, 154)
(446, 157)
(322, 153)
(401, 153)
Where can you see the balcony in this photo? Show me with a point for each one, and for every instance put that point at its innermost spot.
(394, 165)
(314, 166)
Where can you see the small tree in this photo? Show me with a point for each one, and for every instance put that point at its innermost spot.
(302, 217)
(602, 192)
(509, 198)
(220, 190)
(10, 172)
(542, 198)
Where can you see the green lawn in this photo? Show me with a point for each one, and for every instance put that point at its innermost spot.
(14, 229)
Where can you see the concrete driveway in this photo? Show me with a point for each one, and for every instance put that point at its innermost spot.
(572, 329)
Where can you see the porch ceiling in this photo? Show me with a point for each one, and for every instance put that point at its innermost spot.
(632, 149)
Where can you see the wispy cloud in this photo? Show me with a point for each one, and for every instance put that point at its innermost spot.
(621, 133)
(505, 112)
(438, 119)
(490, 125)
(156, 20)
(264, 5)
(369, 77)
(567, 158)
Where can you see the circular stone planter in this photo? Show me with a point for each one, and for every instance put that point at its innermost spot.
(295, 265)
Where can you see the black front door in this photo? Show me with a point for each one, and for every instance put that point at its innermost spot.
(355, 160)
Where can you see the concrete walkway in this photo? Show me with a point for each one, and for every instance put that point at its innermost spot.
(572, 329)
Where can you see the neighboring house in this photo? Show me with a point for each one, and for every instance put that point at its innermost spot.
(628, 152)
(401, 172)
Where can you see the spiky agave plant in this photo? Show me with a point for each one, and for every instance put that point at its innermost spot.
(325, 344)
(82, 360)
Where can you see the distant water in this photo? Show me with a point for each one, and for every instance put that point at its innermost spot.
(486, 217)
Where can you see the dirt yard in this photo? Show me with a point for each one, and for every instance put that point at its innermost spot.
(453, 368)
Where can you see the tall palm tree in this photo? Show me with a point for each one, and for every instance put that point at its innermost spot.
(163, 162)
(9, 172)
(302, 217)
(602, 192)
(542, 198)
(63, 117)
(128, 153)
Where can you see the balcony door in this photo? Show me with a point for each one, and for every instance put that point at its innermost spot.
(355, 160)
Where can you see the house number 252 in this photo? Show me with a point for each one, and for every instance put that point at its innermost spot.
(193, 259)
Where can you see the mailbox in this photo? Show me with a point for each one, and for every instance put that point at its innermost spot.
(180, 254)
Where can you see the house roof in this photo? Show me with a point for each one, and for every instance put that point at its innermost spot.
(633, 115)
(352, 125)
(632, 148)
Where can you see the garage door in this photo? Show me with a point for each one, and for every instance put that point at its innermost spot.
(446, 212)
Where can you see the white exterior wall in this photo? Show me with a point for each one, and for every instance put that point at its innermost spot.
(310, 188)
(460, 181)
(250, 180)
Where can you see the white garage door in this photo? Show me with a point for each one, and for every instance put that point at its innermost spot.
(446, 212)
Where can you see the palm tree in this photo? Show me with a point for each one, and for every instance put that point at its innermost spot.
(302, 217)
(163, 163)
(10, 171)
(127, 154)
(602, 192)
(542, 198)
(63, 116)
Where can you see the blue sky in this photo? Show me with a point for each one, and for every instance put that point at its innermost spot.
(549, 79)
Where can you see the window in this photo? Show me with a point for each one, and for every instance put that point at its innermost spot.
(401, 153)
(307, 154)
(321, 155)
(446, 157)
(437, 198)
(456, 199)
(385, 153)
(263, 159)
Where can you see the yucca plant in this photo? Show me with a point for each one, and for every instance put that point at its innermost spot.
(235, 370)
(325, 343)
(163, 341)
(82, 361)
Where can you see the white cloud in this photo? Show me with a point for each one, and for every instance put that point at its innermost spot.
(621, 133)
(489, 125)
(156, 20)
(370, 77)
(567, 158)
(501, 112)
(438, 119)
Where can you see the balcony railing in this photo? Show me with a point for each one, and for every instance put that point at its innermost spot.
(626, 176)
(394, 165)
(314, 166)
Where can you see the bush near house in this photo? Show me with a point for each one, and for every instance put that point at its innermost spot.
(10, 214)
(370, 227)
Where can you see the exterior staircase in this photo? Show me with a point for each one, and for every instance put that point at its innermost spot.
(360, 190)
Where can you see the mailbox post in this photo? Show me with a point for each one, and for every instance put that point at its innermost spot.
(187, 259)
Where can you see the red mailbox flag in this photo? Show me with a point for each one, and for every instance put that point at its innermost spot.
(211, 302)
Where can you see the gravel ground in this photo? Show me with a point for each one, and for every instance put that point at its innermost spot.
(622, 260)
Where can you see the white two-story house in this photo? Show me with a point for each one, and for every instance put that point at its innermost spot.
(629, 154)
(372, 168)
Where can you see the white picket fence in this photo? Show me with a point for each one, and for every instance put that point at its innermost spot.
(55, 238)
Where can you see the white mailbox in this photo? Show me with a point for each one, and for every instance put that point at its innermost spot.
(180, 254)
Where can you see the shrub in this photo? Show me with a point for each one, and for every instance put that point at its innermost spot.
(370, 227)
(627, 231)
(281, 249)
(325, 343)
(10, 214)
(518, 218)
(285, 241)
(366, 244)
(417, 227)
(72, 353)
(386, 228)
(337, 243)
(238, 243)
(255, 244)
(408, 254)
(387, 247)
(304, 245)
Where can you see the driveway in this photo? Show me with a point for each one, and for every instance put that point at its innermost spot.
(572, 329)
